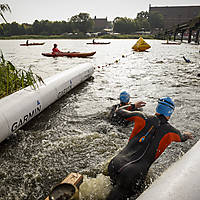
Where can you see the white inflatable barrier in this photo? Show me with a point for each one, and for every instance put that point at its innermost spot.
(180, 182)
(19, 108)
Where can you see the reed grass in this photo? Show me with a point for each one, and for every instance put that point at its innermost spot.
(12, 79)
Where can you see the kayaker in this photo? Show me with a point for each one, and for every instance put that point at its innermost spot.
(93, 41)
(55, 49)
(149, 138)
(124, 100)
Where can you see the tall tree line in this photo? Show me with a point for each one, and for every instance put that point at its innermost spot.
(78, 23)
(82, 23)
(144, 21)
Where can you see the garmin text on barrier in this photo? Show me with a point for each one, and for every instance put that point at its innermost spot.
(64, 91)
(17, 124)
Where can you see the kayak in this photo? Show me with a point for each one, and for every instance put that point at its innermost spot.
(69, 54)
(98, 43)
(173, 43)
(31, 44)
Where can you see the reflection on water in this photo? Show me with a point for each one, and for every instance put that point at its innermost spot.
(74, 135)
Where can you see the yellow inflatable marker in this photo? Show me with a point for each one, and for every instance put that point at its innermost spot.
(141, 45)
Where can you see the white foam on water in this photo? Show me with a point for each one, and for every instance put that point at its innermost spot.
(95, 188)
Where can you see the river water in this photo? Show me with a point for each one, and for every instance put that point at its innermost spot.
(74, 135)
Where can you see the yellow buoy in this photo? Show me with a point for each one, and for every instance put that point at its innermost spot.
(141, 45)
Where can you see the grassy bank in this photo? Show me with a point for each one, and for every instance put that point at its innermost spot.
(12, 79)
(80, 36)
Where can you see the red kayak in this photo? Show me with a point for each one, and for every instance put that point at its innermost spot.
(31, 44)
(69, 54)
(172, 43)
(98, 43)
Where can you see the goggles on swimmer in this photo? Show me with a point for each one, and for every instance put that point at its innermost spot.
(124, 97)
(165, 106)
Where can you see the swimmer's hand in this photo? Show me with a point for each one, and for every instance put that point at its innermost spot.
(139, 104)
(189, 135)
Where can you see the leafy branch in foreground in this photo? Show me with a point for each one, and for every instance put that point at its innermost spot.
(12, 79)
(3, 8)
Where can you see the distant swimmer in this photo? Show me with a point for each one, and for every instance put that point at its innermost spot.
(124, 100)
(186, 60)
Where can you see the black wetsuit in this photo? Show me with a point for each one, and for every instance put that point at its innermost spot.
(132, 163)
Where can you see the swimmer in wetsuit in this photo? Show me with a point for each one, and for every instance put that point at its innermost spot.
(150, 137)
(124, 97)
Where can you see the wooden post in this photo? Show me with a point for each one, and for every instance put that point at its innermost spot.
(175, 33)
(197, 37)
(182, 33)
(165, 34)
(74, 179)
(190, 35)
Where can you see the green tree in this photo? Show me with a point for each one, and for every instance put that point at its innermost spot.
(142, 24)
(45, 27)
(3, 8)
(60, 27)
(27, 28)
(124, 25)
(37, 28)
(142, 20)
(82, 23)
(15, 29)
(143, 15)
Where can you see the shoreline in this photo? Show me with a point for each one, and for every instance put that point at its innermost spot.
(16, 37)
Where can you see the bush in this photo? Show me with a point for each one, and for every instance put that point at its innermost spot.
(12, 80)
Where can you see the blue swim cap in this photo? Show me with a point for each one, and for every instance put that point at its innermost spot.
(124, 97)
(165, 106)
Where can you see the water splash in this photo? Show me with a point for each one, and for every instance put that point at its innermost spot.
(95, 188)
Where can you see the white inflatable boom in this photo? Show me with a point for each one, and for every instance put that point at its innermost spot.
(180, 181)
(19, 108)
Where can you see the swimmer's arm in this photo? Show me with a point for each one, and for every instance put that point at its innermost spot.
(183, 136)
(124, 113)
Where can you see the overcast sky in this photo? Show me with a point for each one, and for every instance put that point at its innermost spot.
(27, 11)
